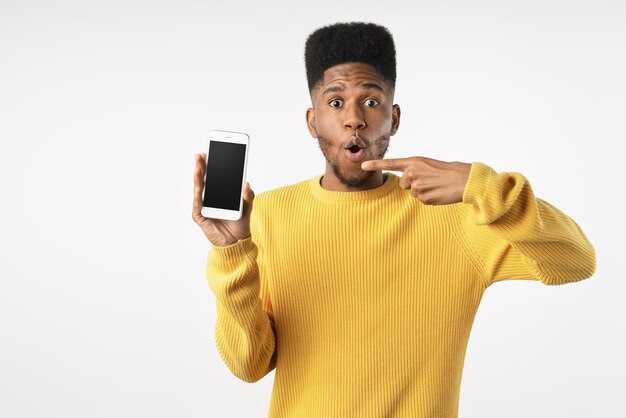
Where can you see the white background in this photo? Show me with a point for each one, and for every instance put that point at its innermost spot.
(104, 307)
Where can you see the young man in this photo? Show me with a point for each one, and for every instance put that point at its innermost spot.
(360, 287)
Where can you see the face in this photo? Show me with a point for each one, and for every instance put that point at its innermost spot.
(352, 105)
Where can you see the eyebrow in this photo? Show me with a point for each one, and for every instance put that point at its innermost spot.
(365, 86)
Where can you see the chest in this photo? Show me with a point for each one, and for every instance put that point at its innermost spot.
(366, 255)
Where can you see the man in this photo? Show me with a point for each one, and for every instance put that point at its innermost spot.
(360, 287)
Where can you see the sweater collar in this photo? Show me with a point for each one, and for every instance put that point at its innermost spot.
(390, 180)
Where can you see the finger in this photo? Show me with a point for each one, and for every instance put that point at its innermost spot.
(394, 164)
(198, 174)
(198, 181)
(250, 191)
(248, 198)
(405, 182)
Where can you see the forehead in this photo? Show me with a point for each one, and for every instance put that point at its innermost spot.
(354, 72)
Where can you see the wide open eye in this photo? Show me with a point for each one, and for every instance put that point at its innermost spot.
(335, 103)
(370, 102)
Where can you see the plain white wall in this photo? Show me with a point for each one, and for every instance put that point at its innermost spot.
(104, 307)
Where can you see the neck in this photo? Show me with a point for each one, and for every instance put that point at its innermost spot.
(330, 182)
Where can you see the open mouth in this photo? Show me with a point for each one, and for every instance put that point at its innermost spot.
(355, 153)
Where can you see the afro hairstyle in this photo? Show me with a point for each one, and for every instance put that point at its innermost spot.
(341, 43)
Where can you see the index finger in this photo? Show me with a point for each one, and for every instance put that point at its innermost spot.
(198, 185)
(394, 164)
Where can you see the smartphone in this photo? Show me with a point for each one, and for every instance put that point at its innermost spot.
(227, 158)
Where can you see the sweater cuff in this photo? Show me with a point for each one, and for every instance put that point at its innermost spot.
(228, 257)
(477, 183)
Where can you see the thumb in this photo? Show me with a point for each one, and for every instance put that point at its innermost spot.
(248, 197)
(249, 192)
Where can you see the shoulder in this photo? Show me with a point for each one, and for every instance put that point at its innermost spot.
(273, 205)
(282, 195)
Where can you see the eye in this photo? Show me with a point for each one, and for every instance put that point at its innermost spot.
(335, 103)
(370, 102)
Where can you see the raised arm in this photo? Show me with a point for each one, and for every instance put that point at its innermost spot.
(244, 329)
(514, 235)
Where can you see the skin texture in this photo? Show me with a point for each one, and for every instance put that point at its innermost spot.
(347, 103)
(352, 101)
(219, 232)
(344, 106)
(432, 181)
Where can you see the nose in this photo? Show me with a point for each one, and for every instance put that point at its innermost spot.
(354, 117)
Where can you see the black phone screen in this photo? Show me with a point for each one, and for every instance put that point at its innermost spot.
(224, 175)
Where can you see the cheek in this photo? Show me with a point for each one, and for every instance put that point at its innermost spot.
(326, 123)
(383, 120)
(385, 117)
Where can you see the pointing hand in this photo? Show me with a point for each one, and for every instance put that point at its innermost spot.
(432, 181)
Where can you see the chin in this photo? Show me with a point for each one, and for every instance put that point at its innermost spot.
(353, 180)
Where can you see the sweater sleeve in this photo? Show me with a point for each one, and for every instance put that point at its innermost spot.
(514, 235)
(244, 329)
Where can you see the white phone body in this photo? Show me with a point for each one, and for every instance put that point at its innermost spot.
(225, 175)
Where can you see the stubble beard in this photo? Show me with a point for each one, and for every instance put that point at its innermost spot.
(379, 145)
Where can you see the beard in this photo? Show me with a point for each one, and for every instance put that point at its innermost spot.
(378, 148)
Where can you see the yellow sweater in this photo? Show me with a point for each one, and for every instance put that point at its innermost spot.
(363, 301)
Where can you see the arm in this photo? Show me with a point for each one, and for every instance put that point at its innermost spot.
(514, 235)
(244, 330)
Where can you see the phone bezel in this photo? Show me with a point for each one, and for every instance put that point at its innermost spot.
(235, 138)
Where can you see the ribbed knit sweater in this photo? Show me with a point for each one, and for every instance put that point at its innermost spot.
(363, 301)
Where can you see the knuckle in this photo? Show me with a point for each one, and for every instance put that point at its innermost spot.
(430, 200)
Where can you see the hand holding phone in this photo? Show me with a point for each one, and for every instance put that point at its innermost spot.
(213, 203)
(219, 231)
(227, 158)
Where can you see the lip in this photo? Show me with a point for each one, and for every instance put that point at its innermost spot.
(355, 156)
(355, 140)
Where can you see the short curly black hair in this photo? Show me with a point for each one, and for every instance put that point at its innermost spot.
(340, 43)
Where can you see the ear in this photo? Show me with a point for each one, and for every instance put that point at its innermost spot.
(395, 119)
(310, 122)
